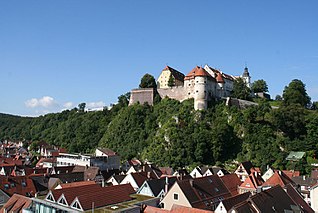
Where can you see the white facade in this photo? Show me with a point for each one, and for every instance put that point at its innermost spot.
(130, 179)
(314, 198)
(103, 162)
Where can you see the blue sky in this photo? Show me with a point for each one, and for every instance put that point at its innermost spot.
(57, 54)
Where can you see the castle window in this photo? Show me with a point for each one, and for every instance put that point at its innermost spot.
(197, 81)
(189, 84)
(188, 93)
(204, 81)
(197, 91)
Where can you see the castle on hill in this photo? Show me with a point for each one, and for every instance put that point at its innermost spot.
(201, 83)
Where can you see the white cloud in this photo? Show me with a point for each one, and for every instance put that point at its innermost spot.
(68, 105)
(45, 101)
(93, 105)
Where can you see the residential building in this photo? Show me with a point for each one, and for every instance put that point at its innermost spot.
(104, 159)
(203, 193)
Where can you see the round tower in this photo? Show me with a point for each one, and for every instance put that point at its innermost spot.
(200, 97)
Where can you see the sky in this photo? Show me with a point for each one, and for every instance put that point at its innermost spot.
(57, 54)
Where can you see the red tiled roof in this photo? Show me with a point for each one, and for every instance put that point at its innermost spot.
(278, 178)
(175, 73)
(197, 71)
(232, 201)
(231, 181)
(291, 173)
(76, 184)
(17, 185)
(107, 151)
(202, 189)
(101, 196)
(252, 181)
(219, 78)
(16, 204)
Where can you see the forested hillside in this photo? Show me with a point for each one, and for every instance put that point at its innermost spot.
(172, 133)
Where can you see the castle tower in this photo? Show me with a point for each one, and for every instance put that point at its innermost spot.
(246, 77)
(197, 87)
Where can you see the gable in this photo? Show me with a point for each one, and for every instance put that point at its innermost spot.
(76, 205)
(62, 200)
(170, 198)
(50, 197)
(129, 179)
(145, 190)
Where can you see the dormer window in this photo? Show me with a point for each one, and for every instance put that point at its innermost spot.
(6, 186)
(76, 205)
(50, 197)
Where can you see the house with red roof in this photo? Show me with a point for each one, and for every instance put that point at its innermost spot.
(83, 197)
(17, 203)
(251, 184)
(245, 169)
(202, 193)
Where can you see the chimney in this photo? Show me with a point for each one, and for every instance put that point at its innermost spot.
(148, 175)
(255, 173)
(279, 172)
(191, 182)
(166, 185)
(304, 177)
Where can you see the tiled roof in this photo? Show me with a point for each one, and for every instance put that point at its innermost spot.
(291, 173)
(231, 181)
(298, 199)
(76, 184)
(16, 204)
(101, 196)
(304, 180)
(278, 178)
(219, 78)
(107, 151)
(202, 189)
(252, 181)
(197, 71)
(175, 73)
(244, 207)
(232, 201)
(19, 185)
(156, 185)
(314, 173)
(175, 209)
(140, 177)
(90, 173)
(274, 199)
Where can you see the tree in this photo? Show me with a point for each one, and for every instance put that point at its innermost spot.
(278, 98)
(81, 107)
(295, 93)
(148, 81)
(171, 81)
(259, 86)
(240, 90)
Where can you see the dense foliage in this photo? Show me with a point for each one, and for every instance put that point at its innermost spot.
(259, 86)
(171, 133)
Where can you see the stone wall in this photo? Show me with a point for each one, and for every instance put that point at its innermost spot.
(141, 96)
(177, 93)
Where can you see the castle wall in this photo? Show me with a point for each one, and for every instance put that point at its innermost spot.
(142, 96)
(178, 93)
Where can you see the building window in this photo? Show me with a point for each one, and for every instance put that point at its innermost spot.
(175, 196)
